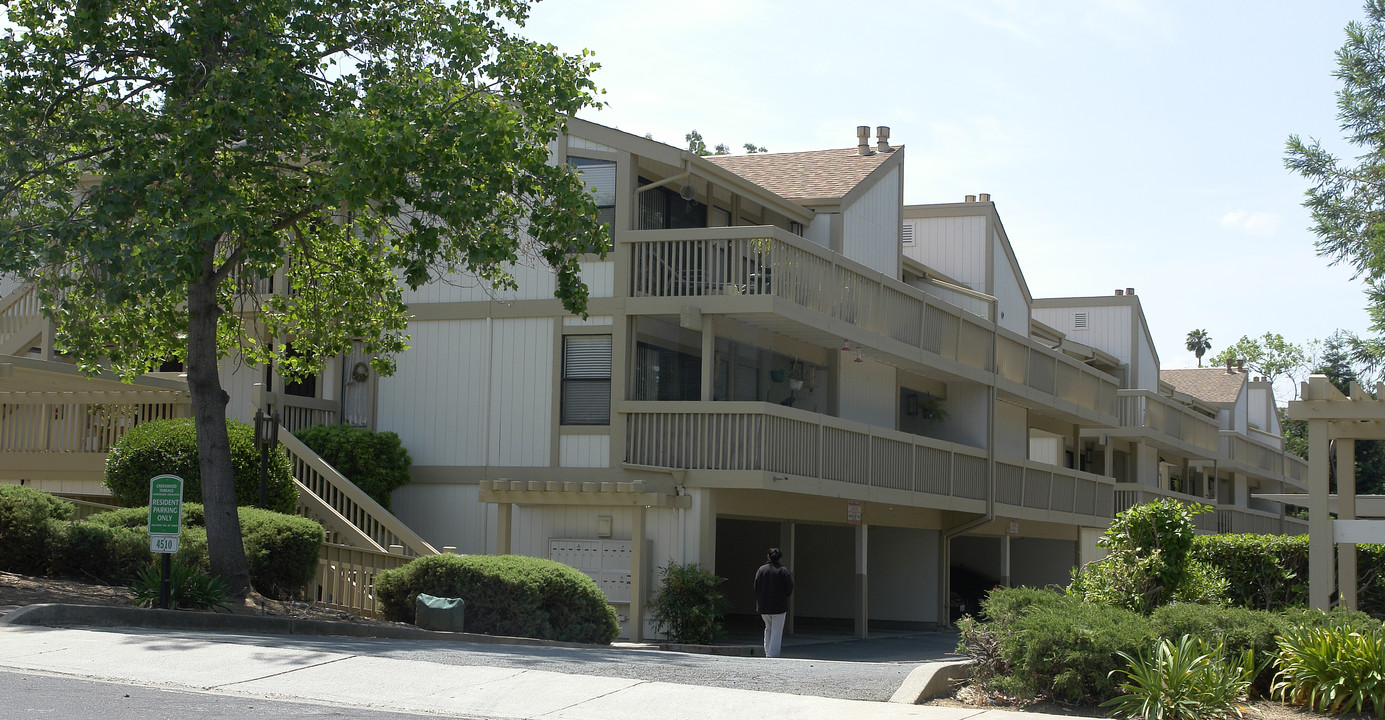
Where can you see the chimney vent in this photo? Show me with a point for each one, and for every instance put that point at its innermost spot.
(971, 198)
(1240, 365)
(984, 197)
(863, 140)
(1228, 366)
(882, 139)
(1130, 291)
(1119, 292)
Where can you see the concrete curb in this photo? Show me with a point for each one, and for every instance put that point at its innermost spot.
(65, 615)
(931, 680)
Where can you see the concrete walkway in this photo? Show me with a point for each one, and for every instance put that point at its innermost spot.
(251, 665)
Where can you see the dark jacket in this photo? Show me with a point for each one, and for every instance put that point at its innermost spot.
(773, 586)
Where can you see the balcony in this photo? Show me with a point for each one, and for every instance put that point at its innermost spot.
(1166, 423)
(787, 284)
(758, 444)
(1244, 455)
(1129, 495)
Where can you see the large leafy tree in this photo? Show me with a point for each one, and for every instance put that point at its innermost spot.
(1269, 355)
(1347, 199)
(160, 159)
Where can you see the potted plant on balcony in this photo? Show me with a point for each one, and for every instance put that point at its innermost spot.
(800, 375)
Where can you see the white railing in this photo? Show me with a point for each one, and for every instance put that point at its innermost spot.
(54, 422)
(766, 261)
(18, 311)
(1145, 409)
(346, 577)
(360, 516)
(774, 439)
(1259, 522)
(296, 413)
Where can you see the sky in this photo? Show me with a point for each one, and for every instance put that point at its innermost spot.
(1126, 143)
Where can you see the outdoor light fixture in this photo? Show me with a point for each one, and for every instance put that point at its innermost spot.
(266, 435)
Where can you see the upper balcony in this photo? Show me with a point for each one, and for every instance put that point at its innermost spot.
(789, 285)
(1166, 423)
(1244, 455)
(763, 445)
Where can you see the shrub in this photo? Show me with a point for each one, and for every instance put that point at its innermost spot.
(91, 550)
(1238, 630)
(1185, 680)
(1269, 572)
(689, 606)
(374, 461)
(1333, 669)
(162, 447)
(26, 530)
(1149, 563)
(505, 595)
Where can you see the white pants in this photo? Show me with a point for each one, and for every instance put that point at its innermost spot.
(774, 633)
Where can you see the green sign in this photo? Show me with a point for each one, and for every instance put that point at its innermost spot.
(165, 505)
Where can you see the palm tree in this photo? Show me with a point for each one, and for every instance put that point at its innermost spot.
(1198, 344)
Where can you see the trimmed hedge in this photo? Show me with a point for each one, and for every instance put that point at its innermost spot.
(505, 595)
(374, 461)
(281, 550)
(162, 447)
(89, 550)
(1266, 572)
(27, 528)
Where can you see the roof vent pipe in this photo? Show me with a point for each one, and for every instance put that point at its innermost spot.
(882, 138)
(863, 140)
(984, 197)
(971, 198)
(1130, 291)
(1240, 365)
(1228, 366)
(1119, 292)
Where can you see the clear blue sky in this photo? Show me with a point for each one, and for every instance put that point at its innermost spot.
(1126, 143)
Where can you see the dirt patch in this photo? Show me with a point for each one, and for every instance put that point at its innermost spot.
(20, 590)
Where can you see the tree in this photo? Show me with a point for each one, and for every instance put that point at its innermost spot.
(1198, 344)
(1337, 365)
(698, 146)
(1346, 200)
(752, 148)
(1270, 355)
(163, 157)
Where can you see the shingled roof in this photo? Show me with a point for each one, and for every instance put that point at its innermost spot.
(811, 175)
(1213, 385)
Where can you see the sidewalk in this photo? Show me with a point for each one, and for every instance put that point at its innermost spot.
(258, 667)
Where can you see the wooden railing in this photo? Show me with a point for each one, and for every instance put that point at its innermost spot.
(1145, 409)
(774, 439)
(53, 422)
(1237, 448)
(344, 509)
(764, 260)
(1129, 495)
(296, 413)
(1259, 522)
(346, 577)
(19, 310)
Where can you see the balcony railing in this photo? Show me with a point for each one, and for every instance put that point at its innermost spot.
(59, 422)
(1259, 522)
(766, 261)
(20, 310)
(1145, 409)
(1237, 448)
(773, 439)
(1129, 495)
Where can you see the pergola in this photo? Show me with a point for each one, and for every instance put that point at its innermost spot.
(1341, 420)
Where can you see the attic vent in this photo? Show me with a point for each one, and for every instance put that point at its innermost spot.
(907, 233)
(1079, 321)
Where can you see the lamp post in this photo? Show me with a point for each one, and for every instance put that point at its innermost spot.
(266, 436)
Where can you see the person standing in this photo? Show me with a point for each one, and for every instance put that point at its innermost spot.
(773, 586)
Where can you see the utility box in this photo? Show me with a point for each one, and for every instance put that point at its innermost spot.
(439, 613)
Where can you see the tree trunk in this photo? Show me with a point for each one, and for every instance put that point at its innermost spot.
(225, 547)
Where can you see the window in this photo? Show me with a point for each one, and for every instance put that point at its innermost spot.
(600, 178)
(664, 209)
(586, 393)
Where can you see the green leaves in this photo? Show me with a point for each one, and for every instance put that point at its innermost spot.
(1183, 680)
(1333, 669)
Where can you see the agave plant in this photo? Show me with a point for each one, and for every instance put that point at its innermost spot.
(189, 589)
(1332, 669)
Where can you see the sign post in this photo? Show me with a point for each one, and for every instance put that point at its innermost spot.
(165, 525)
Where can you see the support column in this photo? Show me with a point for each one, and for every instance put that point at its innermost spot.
(786, 543)
(1320, 566)
(1346, 510)
(1005, 560)
(862, 584)
(1242, 490)
(709, 357)
(504, 514)
(638, 574)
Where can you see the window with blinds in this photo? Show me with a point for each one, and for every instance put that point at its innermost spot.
(599, 176)
(586, 380)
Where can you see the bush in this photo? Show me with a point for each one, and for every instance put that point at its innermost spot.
(1149, 562)
(162, 447)
(281, 550)
(1333, 669)
(1237, 629)
(375, 462)
(688, 608)
(505, 595)
(91, 550)
(1269, 572)
(26, 530)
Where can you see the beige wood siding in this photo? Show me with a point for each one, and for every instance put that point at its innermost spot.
(238, 380)
(446, 515)
(584, 451)
(868, 392)
(1014, 313)
(1108, 327)
(955, 246)
(871, 226)
(521, 401)
(535, 283)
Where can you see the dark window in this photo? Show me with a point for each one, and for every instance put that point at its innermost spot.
(664, 209)
(600, 178)
(586, 380)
